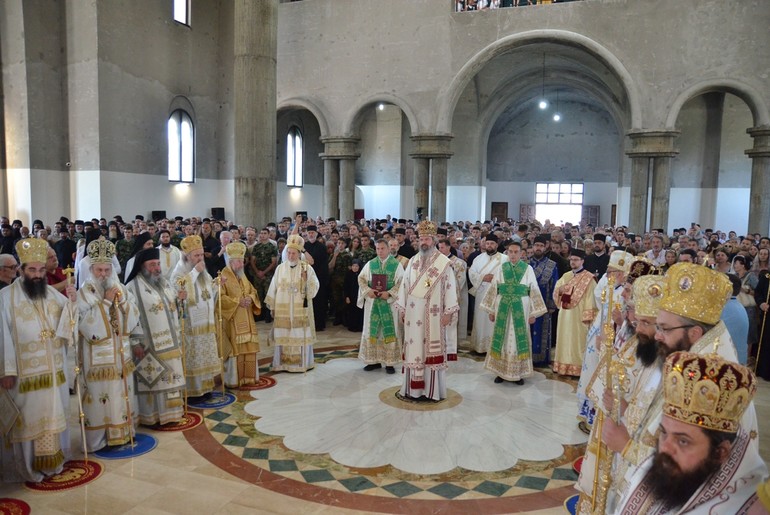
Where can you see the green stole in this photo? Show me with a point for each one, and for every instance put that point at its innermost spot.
(511, 292)
(381, 315)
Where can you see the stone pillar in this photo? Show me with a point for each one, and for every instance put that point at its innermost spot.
(661, 192)
(347, 188)
(658, 146)
(637, 210)
(759, 199)
(421, 184)
(438, 181)
(331, 188)
(433, 147)
(255, 44)
(343, 152)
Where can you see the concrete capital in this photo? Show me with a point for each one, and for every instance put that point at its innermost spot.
(761, 136)
(652, 143)
(340, 148)
(431, 146)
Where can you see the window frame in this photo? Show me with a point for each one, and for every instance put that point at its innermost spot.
(178, 4)
(179, 117)
(295, 155)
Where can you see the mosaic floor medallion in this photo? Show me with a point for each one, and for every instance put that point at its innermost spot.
(76, 473)
(143, 443)
(10, 506)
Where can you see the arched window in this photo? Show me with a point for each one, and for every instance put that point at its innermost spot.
(294, 158)
(181, 147)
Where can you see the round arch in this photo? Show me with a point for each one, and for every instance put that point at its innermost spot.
(355, 115)
(748, 94)
(450, 95)
(303, 103)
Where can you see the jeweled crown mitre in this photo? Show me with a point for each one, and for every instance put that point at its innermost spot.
(427, 228)
(101, 252)
(707, 391)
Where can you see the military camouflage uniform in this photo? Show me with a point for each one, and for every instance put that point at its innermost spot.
(123, 250)
(263, 254)
(337, 283)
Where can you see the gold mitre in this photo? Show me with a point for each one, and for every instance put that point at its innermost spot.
(620, 260)
(32, 250)
(427, 228)
(101, 252)
(707, 391)
(236, 250)
(696, 292)
(191, 243)
(648, 292)
(296, 242)
(640, 266)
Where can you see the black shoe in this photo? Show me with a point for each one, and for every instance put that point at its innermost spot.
(373, 366)
(268, 319)
(499, 380)
(390, 370)
(520, 382)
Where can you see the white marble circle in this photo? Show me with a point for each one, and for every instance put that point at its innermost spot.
(336, 409)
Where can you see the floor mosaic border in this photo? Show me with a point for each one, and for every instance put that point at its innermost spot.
(528, 485)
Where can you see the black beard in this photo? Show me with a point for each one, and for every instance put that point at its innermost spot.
(491, 252)
(538, 254)
(646, 349)
(35, 288)
(672, 486)
(683, 344)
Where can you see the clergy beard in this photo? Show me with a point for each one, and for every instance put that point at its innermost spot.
(538, 254)
(683, 344)
(165, 245)
(646, 349)
(238, 273)
(102, 285)
(426, 251)
(491, 252)
(35, 288)
(673, 487)
(151, 278)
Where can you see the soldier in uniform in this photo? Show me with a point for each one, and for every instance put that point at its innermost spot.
(339, 264)
(124, 248)
(262, 260)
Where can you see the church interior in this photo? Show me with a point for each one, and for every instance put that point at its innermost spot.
(658, 111)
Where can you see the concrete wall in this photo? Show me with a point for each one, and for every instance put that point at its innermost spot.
(92, 83)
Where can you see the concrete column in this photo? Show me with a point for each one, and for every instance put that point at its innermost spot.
(438, 181)
(647, 145)
(347, 188)
(344, 152)
(433, 148)
(255, 45)
(421, 184)
(640, 175)
(661, 192)
(712, 138)
(759, 199)
(331, 188)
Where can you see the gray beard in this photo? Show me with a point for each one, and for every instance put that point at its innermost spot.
(102, 285)
(239, 273)
(155, 280)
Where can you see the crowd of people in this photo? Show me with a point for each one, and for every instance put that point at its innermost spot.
(483, 5)
(661, 330)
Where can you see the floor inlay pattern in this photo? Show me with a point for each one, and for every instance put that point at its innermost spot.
(234, 429)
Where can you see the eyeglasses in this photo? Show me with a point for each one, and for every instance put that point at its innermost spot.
(666, 330)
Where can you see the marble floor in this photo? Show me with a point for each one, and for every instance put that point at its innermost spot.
(335, 440)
